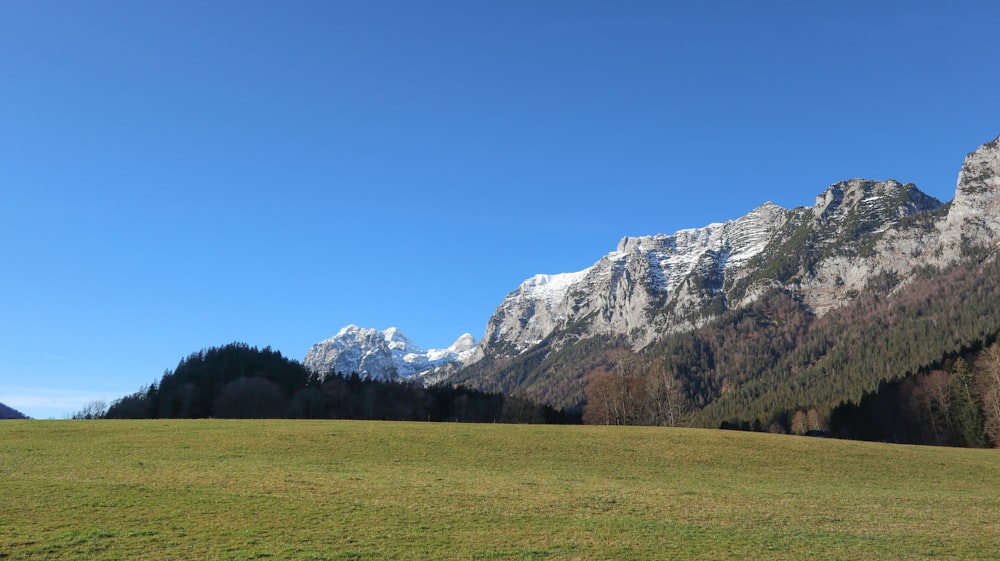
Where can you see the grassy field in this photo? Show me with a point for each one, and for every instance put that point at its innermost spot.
(362, 490)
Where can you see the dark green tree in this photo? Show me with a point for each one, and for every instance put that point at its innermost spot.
(250, 398)
(966, 408)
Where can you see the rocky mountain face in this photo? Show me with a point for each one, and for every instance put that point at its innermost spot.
(974, 216)
(628, 289)
(825, 255)
(383, 355)
(659, 284)
(548, 333)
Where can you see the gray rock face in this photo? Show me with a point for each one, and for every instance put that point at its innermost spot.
(650, 286)
(659, 284)
(857, 230)
(625, 290)
(382, 355)
(873, 204)
(974, 215)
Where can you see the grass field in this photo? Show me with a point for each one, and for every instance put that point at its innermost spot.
(364, 490)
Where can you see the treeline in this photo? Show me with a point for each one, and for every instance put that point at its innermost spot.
(239, 381)
(10, 413)
(552, 372)
(957, 406)
(672, 381)
(631, 393)
(855, 350)
(884, 367)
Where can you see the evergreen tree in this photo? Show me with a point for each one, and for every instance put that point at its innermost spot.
(966, 409)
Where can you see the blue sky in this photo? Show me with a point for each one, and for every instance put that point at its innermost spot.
(179, 175)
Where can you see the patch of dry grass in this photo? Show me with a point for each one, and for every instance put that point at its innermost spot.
(367, 490)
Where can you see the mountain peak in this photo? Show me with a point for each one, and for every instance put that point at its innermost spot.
(880, 200)
(399, 341)
(381, 355)
(651, 287)
(349, 329)
(981, 169)
(975, 211)
(464, 343)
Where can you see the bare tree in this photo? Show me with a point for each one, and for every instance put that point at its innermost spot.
(931, 404)
(602, 407)
(815, 421)
(614, 398)
(988, 380)
(667, 402)
(92, 410)
(800, 423)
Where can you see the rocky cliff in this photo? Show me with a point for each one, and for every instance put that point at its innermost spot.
(628, 290)
(826, 255)
(659, 284)
(382, 355)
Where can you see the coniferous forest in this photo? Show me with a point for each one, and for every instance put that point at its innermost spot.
(918, 363)
(239, 381)
(913, 363)
(10, 413)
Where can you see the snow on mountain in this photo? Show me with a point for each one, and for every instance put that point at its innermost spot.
(653, 285)
(650, 286)
(618, 293)
(382, 355)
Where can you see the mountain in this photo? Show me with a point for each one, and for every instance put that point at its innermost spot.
(627, 291)
(849, 315)
(383, 355)
(10, 413)
(659, 284)
(548, 335)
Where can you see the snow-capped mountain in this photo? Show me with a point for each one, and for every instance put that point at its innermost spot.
(382, 355)
(824, 255)
(622, 292)
(650, 287)
(658, 284)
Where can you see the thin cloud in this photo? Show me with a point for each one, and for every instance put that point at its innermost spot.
(46, 403)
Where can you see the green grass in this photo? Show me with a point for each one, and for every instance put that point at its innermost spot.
(361, 490)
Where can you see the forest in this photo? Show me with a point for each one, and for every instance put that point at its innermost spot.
(239, 381)
(10, 413)
(917, 363)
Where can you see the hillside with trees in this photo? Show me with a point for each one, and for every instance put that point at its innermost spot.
(874, 314)
(865, 315)
(915, 363)
(10, 413)
(239, 381)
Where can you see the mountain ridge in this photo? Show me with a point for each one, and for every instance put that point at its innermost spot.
(651, 287)
(687, 269)
(862, 239)
(382, 354)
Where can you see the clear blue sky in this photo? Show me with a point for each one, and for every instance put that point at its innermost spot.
(177, 175)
